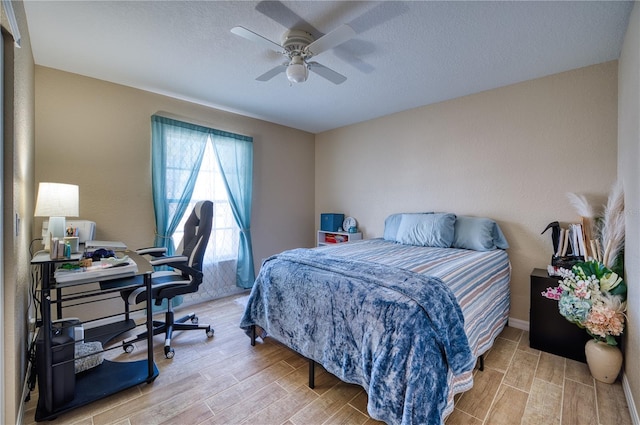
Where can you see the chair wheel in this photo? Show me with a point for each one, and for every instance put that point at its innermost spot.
(194, 320)
(209, 333)
(169, 352)
(128, 348)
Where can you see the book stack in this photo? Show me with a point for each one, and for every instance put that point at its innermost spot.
(576, 242)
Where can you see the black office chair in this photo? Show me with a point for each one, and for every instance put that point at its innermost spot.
(185, 277)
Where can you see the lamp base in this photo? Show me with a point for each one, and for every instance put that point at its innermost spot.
(55, 229)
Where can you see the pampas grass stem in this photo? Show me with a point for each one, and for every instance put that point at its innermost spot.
(612, 227)
(581, 205)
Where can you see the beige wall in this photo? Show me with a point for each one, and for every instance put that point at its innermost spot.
(511, 154)
(17, 194)
(97, 135)
(628, 170)
(502, 153)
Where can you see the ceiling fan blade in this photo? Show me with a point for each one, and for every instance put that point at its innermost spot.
(286, 17)
(334, 38)
(272, 72)
(257, 38)
(328, 73)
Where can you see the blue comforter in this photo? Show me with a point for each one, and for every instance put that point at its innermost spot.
(394, 332)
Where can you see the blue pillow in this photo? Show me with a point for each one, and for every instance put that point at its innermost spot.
(436, 230)
(391, 225)
(479, 234)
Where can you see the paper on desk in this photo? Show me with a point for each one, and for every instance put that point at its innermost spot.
(108, 267)
(114, 261)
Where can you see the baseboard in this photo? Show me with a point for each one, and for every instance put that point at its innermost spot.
(25, 383)
(25, 392)
(518, 324)
(630, 402)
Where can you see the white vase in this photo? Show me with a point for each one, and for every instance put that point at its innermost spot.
(604, 360)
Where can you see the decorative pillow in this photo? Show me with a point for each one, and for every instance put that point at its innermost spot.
(435, 230)
(479, 234)
(392, 223)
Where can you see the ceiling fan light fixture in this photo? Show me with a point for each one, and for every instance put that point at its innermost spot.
(297, 72)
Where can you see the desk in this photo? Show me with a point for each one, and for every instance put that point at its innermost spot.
(108, 378)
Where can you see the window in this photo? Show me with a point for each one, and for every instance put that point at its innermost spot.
(223, 244)
(191, 163)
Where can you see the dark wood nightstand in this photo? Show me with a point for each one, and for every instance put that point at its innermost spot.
(548, 330)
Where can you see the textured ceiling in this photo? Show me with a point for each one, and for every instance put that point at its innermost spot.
(404, 54)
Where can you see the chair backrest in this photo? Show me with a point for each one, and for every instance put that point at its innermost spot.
(197, 230)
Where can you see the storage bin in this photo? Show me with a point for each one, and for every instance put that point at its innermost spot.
(330, 222)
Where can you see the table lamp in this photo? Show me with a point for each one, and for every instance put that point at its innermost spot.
(57, 201)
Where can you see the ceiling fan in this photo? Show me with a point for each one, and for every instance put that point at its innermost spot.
(299, 47)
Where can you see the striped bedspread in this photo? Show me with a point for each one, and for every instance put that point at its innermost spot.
(479, 281)
(383, 340)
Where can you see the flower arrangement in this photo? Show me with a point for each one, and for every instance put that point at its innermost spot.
(593, 297)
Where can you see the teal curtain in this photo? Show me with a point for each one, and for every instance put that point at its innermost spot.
(176, 156)
(235, 159)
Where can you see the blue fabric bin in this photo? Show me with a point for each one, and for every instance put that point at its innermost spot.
(330, 222)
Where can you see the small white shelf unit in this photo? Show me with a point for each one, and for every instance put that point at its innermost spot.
(332, 238)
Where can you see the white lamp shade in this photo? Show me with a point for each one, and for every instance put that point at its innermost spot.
(57, 200)
(297, 72)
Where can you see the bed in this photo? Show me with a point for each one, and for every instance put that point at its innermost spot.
(404, 316)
